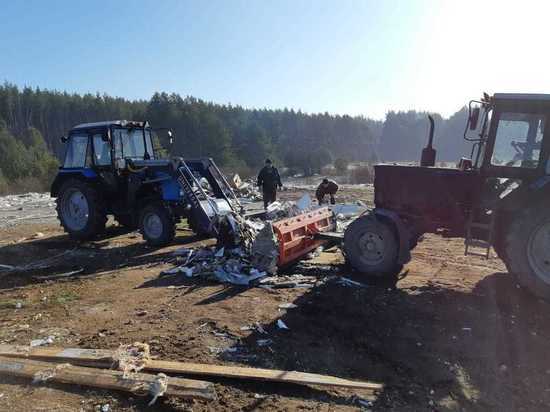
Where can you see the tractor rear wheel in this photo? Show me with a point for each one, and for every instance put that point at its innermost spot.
(80, 210)
(371, 246)
(527, 250)
(157, 224)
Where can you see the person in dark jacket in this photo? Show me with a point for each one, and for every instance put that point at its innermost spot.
(269, 180)
(327, 187)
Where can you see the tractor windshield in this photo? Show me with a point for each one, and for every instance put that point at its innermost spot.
(518, 139)
(130, 143)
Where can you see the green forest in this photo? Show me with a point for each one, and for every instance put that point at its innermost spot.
(32, 122)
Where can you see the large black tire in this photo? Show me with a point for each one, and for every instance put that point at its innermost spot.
(80, 210)
(157, 224)
(371, 246)
(527, 250)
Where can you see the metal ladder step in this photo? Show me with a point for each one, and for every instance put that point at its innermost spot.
(486, 243)
(477, 243)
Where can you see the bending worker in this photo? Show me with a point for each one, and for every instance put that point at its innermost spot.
(269, 180)
(327, 187)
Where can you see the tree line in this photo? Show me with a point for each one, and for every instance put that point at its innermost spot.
(33, 120)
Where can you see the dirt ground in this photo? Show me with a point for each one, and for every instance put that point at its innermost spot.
(455, 332)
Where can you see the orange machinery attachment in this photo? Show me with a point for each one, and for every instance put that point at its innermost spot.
(296, 235)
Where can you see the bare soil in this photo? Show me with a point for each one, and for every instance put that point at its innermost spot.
(454, 333)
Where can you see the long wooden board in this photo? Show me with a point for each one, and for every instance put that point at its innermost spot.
(103, 378)
(104, 358)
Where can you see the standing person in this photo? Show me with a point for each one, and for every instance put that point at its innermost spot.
(268, 180)
(327, 187)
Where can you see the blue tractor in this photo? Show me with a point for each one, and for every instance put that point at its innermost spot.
(113, 168)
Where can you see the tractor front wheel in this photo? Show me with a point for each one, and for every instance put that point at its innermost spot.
(371, 246)
(80, 210)
(527, 250)
(157, 224)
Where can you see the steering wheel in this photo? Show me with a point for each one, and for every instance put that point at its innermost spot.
(519, 147)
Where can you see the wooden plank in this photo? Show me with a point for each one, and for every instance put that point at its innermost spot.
(139, 383)
(105, 358)
(240, 372)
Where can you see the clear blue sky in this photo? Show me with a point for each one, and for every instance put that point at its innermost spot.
(356, 57)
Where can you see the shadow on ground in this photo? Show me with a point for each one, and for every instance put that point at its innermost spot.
(433, 347)
(61, 258)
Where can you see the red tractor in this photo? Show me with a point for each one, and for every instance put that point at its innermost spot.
(499, 197)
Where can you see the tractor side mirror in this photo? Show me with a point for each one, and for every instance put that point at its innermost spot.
(64, 139)
(474, 118)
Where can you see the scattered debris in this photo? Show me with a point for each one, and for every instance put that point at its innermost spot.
(260, 328)
(349, 283)
(304, 203)
(158, 387)
(290, 281)
(287, 306)
(132, 358)
(60, 275)
(365, 403)
(42, 342)
(246, 190)
(47, 374)
(17, 208)
(282, 325)
(265, 250)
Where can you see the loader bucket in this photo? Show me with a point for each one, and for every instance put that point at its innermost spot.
(296, 235)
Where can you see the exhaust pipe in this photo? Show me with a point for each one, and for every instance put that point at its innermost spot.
(428, 153)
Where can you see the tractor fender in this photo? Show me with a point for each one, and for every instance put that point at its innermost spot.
(404, 254)
(64, 174)
(525, 194)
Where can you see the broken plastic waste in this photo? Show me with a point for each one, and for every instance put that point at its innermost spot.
(304, 203)
(265, 250)
(237, 278)
(282, 325)
(41, 342)
(287, 306)
(348, 210)
(350, 283)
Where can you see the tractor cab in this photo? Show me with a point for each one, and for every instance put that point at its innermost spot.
(114, 145)
(507, 131)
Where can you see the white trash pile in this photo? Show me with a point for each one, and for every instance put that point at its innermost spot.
(253, 252)
(17, 208)
(223, 265)
(245, 189)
